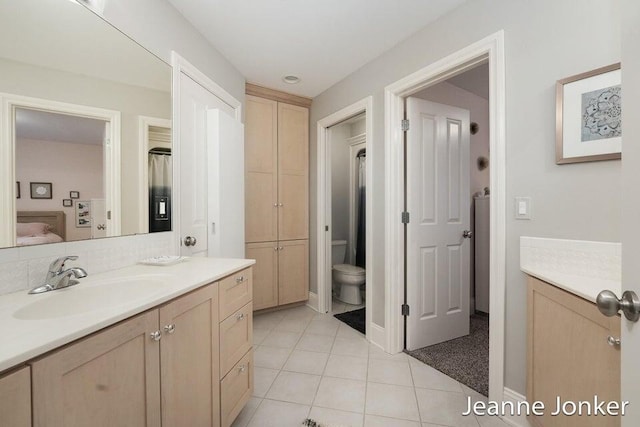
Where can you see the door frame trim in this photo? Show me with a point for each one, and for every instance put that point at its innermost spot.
(490, 48)
(180, 66)
(323, 213)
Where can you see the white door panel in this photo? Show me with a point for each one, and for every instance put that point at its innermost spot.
(438, 202)
(195, 101)
(226, 185)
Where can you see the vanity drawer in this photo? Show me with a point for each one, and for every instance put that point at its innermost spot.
(235, 292)
(236, 337)
(236, 389)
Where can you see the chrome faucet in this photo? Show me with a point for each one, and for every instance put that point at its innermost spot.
(58, 277)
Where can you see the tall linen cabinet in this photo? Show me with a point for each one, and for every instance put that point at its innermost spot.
(277, 198)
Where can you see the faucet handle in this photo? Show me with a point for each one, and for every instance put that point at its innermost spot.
(57, 265)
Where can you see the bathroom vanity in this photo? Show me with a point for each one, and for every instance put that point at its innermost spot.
(573, 350)
(177, 353)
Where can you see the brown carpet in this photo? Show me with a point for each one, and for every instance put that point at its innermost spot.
(465, 359)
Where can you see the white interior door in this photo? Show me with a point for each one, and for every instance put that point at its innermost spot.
(226, 185)
(98, 218)
(195, 101)
(438, 202)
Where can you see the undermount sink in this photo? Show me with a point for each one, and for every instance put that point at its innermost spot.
(91, 295)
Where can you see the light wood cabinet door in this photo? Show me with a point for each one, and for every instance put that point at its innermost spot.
(568, 355)
(293, 172)
(15, 398)
(261, 169)
(111, 378)
(236, 389)
(293, 271)
(265, 277)
(189, 360)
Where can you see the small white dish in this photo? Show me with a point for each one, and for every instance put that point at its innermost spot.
(163, 260)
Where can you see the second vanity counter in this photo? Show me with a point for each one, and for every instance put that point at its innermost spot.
(35, 324)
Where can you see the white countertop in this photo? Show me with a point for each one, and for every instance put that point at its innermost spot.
(584, 287)
(26, 339)
(581, 267)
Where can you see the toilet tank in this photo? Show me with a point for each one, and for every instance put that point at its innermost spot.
(338, 251)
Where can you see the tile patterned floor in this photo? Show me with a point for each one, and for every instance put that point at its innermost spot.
(312, 365)
(338, 306)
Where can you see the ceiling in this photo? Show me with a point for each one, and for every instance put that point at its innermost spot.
(475, 80)
(321, 42)
(55, 127)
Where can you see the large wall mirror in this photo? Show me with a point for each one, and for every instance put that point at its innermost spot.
(85, 128)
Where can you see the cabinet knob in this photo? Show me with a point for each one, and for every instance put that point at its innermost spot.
(275, 205)
(240, 316)
(156, 335)
(613, 341)
(240, 279)
(242, 368)
(275, 249)
(280, 205)
(170, 328)
(281, 248)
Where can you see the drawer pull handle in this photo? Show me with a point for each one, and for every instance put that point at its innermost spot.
(240, 279)
(170, 328)
(242, 368)
(156, 335)
(240, 317)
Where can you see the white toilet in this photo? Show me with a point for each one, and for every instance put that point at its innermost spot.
(347, 277)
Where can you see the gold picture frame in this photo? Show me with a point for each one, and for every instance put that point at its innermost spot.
(582, 135)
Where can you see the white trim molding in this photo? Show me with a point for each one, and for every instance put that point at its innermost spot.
(489, 49)
(312, 302)
(324, 206)
(182, 66)
(112, 179)
(515, 398)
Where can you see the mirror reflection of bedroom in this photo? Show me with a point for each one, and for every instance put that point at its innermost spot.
(61, 154)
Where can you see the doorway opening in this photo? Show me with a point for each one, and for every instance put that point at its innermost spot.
(58, 134)
(447, 252)
(410, 276)
(344, 217)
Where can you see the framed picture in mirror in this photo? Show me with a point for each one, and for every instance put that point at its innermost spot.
(41, 190)
(74, 194)
(67, 203)
(83, 214)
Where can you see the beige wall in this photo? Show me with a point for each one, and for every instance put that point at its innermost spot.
(545, 41)
(130, 101)
(68, 167)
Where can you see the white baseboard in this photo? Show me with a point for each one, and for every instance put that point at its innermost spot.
(376, 335)
(515, 420)
(313, 301)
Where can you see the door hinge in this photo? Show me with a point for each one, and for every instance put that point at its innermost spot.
(405, 125)
(326, 228)
(108, 214)
(405, 217)
(405, 309)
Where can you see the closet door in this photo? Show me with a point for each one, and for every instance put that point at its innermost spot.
(293, 271)
(293, 172)
(265, 274)
(261, 169)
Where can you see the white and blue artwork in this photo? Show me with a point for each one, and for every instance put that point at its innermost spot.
(601, 114)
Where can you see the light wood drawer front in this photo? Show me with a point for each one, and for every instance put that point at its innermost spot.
(236, 337)
(235, 292)
(236, 389)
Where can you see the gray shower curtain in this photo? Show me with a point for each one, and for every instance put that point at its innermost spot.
(159, 192)
(361, 220)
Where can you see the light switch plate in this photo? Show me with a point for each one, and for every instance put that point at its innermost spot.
(523, 208)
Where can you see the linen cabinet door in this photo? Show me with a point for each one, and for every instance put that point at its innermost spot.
(189, 360)
(261, 169)
(293, 271)
(293, 172)
(111, 378)
(265, 274)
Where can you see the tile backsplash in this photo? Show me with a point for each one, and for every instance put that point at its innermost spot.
(25, 267)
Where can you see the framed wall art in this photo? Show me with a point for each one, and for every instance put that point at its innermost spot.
(588, 116)
(83, 214)
(67, 203)
(41, 190)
